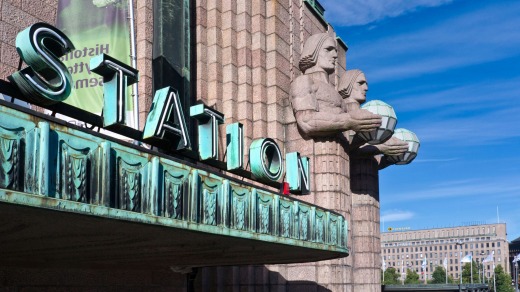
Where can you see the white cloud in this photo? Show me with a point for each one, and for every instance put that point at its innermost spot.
(361, 12)
(504, 187)
(486, 34)
(475, 96)
(396, 215)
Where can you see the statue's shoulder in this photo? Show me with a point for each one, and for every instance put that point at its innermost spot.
(303, 94)
(302, 81)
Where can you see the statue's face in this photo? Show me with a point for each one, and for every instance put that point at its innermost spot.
(360, 88)
(327, 56)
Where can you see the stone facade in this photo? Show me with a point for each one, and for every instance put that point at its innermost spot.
(246, 56)
(439, 243)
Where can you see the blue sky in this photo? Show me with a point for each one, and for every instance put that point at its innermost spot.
(451, 70)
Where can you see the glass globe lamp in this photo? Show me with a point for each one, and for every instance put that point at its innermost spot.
(389, 120)
(413, 146)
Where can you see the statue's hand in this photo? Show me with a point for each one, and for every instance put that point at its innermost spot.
(364, 121)
(393, 147)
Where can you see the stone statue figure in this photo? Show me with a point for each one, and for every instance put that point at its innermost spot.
(317, 106)
(353, 89)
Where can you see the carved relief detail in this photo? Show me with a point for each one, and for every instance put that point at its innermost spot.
(239, 214)
(239, 208)
(173, 193)
(9, 162)
(333, 232)
(210, 207)
(264, 218)
(129, 186)
(285, 222)
(304, 234)
(319, 229)
(74, 173)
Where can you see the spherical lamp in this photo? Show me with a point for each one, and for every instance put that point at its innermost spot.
(413, 146)
(389, 120)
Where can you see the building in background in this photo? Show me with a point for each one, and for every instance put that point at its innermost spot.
(514, 250)
(408, 249)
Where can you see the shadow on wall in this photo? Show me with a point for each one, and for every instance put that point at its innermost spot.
(214, 279)
(258, 278)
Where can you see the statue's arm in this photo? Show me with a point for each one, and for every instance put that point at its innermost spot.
(316, 122)
(391, 147)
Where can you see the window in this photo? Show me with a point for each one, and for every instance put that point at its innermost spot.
(487, 244)
(498, 251)
(498, 244)
(498, 258)
(492, 244)
(421, 255)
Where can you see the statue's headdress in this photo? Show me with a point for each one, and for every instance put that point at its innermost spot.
(346, 82)
(311, 50)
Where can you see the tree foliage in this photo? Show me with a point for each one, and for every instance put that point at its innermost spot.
(391, 277)
(439, 275)
(503, 280)
(412, 277)
(466, 273)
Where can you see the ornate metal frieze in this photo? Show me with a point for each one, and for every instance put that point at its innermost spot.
(10, 162)
(76, 171)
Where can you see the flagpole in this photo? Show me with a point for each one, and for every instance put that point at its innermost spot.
(494, 278)
(471, 267)
(446, 266)
(516, 274)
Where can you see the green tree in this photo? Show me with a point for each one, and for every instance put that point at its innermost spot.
(503, 280)
(439, 275)
(391, 277)
(466, 273)
(411, 277)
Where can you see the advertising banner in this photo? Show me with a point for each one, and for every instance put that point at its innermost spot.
(94, 27)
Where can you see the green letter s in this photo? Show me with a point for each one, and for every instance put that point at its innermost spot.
(46, 80)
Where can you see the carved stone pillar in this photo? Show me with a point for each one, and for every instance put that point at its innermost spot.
(366, 242)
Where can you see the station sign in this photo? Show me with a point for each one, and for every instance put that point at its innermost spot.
(46, 81)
